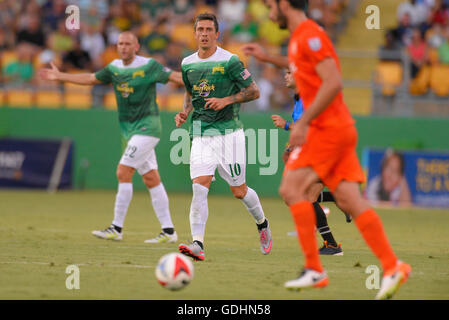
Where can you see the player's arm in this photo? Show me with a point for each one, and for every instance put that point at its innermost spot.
(255, 50)
(249, 93)
(79, 78)
(181, 117)
(176, 77)
(331, 86)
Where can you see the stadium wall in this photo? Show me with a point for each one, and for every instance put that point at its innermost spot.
(97, 139)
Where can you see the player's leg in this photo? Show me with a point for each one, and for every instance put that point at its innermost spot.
(350, 200)
(294, 188)
(159, 200)
(326, 196)
(199, 213)
(252, 203)
(330, 246)
(122, 201)
(231, 154)
(202, 168)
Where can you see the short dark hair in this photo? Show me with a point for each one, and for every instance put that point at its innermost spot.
(206, 16)
(299, 4)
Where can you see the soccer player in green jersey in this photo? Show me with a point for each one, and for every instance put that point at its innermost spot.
(134, 81)
(216, 83)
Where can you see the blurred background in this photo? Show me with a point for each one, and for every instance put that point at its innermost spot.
(396, 77)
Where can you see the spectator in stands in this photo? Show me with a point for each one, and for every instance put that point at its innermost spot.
(230, 13)
(32, 33)
(440, 13)
(92, 41)
(404, 30)
(77, 58)
(417, 11)
(20, 71)
(417, 51)
(61, 40)
(183, 11)
(391, 50)
(53, 12)
(443, 50)
(245, 31)
(266, 87)
(157, 40)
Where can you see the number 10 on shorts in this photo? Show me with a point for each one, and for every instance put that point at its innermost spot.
(235, 170)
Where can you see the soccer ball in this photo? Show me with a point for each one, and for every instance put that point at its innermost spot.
(174, 271)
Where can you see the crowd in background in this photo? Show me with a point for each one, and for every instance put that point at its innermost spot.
(34, 33)
(422, 31)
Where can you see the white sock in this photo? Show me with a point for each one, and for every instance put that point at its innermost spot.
(199, 212)
(159, 199)
(122, 200)
(252, 204)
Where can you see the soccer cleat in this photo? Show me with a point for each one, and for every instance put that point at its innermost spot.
(392, 280)
(109, 234)
(331, 250)
(266, 241)
(192, 250)
(308, 278)
(164, 238)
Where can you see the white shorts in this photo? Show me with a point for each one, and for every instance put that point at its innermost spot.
(227, 153)
(139, 153)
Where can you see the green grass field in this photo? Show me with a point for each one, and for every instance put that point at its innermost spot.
(41, 234)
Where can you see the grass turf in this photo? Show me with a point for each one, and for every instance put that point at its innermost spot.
(41, 234)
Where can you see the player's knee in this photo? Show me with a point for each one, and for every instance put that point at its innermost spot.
(239, 193)
(151, 179)
(124, 174)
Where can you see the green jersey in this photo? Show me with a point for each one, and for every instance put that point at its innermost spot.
(218, 76)
(135, 91)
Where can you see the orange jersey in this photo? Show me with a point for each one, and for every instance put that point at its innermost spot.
(309, 45)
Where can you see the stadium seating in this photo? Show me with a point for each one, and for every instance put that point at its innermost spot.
(439, 80)
(20, 98)
(110, 102)
(77, 96)
(175, 102)
(49, 99)
(389, 76)
(420, 84)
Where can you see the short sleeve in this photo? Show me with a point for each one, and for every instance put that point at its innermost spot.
(238, 73)
(104, 75)
(187, 84)
(159, 73)
(315, 46)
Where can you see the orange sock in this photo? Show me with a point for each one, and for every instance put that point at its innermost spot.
(373, 232)
(305, 221)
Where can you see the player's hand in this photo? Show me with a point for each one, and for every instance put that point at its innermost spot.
(180, 118)
(255, 50)
(298, 134)
(216, 103)
(49, 74)
(285, 155)
(278, 121)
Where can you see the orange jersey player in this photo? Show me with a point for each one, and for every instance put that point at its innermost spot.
(325, 137)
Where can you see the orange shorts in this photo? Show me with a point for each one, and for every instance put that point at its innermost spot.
(331, 154)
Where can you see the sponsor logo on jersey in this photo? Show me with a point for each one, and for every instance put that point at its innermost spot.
(140, 73)
(124, 89)
(218, 69)
(204, 88)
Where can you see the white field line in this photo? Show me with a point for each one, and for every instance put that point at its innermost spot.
(137, 266)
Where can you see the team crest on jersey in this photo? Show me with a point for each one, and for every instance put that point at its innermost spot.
(314, 43)
(204, 88)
